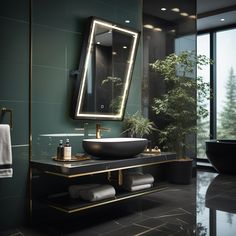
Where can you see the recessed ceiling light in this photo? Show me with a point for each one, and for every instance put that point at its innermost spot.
(175, 9)
(222, 19)
(163, 9)
(172, 31)
(148, 26)
(157, 29)
(124, 47)
(127, 21)
(193, 17)
(114, 53)
(98, 43)
(184, 14)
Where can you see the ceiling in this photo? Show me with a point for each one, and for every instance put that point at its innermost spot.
(209, 12)
(153, 7)
(204, 6)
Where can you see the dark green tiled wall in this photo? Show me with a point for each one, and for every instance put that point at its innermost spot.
(14, 66)
(58, 28)
(57, 39)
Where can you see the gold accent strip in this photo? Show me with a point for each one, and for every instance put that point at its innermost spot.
(104, 171)
(120, 177)
(107, 202)
(30, 172)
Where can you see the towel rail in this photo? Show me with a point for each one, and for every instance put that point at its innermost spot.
(6, 110)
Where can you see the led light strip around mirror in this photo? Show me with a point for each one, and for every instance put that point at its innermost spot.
(128, 74)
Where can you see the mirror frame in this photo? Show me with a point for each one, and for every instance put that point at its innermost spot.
(82, 72)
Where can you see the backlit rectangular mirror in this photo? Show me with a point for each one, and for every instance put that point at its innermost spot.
(105, 71)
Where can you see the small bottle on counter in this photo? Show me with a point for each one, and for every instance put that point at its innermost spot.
(60, 150)
(67, 150)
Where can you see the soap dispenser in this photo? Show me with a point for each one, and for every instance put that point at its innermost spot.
(67, 150)
(60, 150)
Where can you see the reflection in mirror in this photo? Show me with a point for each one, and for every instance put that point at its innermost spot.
(105, 71)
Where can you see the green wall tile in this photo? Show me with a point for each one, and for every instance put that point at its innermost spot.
(49, 47)
(49, 84)
(14, 94)
(13, 191)
(14, 82)
(13, 210)
(50, 118)
(70, 15)
(56, 48)
(73, 45)
(15, 9)
(17, 185)
(51, 13)
(14, 42)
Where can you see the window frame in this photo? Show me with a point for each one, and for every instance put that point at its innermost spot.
(213, 82)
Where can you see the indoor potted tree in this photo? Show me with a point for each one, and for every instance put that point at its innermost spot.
(181, 106)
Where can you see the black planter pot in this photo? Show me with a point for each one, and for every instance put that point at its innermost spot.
(180, 171)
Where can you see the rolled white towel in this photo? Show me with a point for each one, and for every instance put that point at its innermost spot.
(136, 179)
(138, 187)
(91, 192)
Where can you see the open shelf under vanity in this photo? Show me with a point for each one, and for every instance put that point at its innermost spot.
(47, 171)
(68, 205)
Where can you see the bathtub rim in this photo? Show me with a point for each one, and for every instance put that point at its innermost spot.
(222, 141)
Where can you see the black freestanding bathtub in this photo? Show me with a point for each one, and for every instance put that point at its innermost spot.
(222, 155)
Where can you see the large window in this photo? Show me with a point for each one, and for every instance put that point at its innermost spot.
(221, 124)
(226, 84)
(203, 48)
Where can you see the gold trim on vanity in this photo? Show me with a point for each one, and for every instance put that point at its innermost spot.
(30, 174)
(106, 170)
(120, 177)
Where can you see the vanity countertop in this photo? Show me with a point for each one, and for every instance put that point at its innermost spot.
(93, 165)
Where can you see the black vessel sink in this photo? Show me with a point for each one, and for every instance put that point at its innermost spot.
(114, 147)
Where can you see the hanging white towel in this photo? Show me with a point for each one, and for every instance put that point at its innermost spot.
(5, 152)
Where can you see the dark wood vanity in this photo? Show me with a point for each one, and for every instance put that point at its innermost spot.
(55, 173)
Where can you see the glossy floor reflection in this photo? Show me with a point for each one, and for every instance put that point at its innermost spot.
(170, 212)
(216, 204)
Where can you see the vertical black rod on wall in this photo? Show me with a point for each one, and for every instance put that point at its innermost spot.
(30, 113)
(213, 101)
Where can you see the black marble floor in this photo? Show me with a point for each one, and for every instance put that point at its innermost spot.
(170, 212)
(216, 204)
